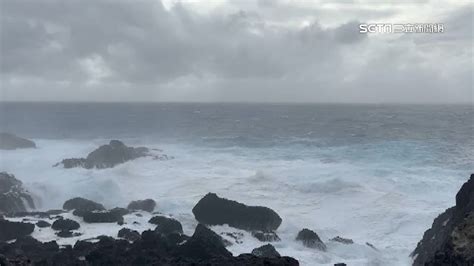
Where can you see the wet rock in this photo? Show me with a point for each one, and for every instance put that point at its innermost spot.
(120, 211)
(13, 230)
(204, 244)
(67, 234)
(340, 264)
(102, 217)
(107, 156)
(266, 251)
(166, 225)
(371, 245)
(43, 224)
(11, 142)
(212, 210)
(450, 240)
(128, 234)
(236, 236)
(65, 225)
(82, 205)
(144, 205)
(310, 239)
(13, 197)
(342, 240)
(266, 236)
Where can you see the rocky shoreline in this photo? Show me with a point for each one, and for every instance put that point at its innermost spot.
(143, 236)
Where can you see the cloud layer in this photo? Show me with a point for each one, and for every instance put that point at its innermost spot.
(260, 51)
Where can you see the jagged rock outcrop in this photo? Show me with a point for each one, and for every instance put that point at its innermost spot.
(213, 210)
(450, 240)
(109, 155)
(144, 205)
(266, 236)
(13, 196)
(311, 239)
(11, 142)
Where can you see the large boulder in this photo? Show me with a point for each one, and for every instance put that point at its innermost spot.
(13, 230)
(107, 156)
(144, 205)
(166, 225)
(450, 240)
(310, 239)
(213, 210)
(13, 197)
(11, 142)
(82, 205)
(266, 251)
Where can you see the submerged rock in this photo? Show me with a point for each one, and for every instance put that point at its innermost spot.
(65, 225)
(213, 210)
(266, 251)
(108, 156)
(450, 240)
(310, 239)
(266, 236)
(144, 205)
(342, 240)
(11, 142)
(13, 230)
(13, 197)
(82, 205)
(166, 225)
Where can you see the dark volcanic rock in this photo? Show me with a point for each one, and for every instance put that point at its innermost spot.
(266, 251)
(82, 205)
(310, 239)
(120, 211)
(342, 240)
(213, 210)
(107, 156)
(67, 234)
(203, 248)
(450, 240)
(65, 225)
(102, 217)
(204, 244)
(13, 230)
(12, 195)
(144, 205)
(11, 142)
(266, 236)
(42, 224)
(128, 234)
(166, 225)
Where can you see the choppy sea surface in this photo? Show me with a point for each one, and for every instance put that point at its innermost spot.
(372, 173)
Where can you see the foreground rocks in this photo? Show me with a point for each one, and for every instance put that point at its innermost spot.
(13, 230)
(450, 240)
(266, 251)
(11, 142)
(213, 210)
(108, 156)
(13, 197)
(82, 205)
(204, 247)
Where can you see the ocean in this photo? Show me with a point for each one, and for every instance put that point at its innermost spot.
(371, 173)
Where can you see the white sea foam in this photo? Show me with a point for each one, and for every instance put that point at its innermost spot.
(389, 203)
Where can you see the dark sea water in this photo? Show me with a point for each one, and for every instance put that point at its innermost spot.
(374, 173)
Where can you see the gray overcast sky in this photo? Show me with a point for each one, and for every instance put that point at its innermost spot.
(259, 51)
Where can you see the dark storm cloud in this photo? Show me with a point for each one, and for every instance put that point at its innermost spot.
(140, 50)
